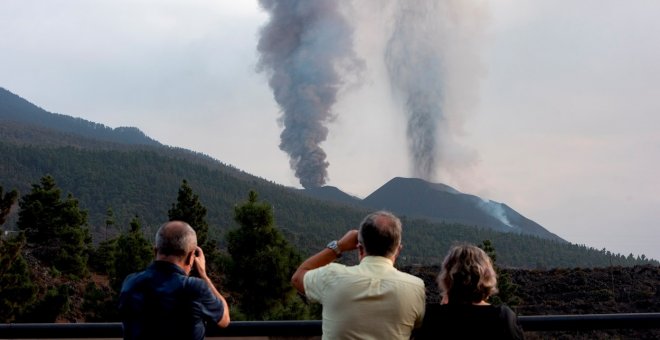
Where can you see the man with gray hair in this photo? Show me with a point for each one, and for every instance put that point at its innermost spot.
(164, 302)
(372, 300)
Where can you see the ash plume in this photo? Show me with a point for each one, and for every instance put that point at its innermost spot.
(434, 70)
(305, 48)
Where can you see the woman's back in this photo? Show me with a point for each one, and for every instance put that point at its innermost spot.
(468, 321)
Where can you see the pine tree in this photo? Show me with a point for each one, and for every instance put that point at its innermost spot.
(16, 288)
(109, 221)
(507, 289)
(262, 263)
(100, 304)
(102, 259)
(56, 302)
(55, 229)
(188, 208)
(133, 253)
(6, 202)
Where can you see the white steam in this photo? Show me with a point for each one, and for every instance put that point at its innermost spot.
(496, 210)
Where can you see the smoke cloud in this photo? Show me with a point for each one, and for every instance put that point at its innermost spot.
(431, 61)
(434, 70)
(496, 210)
(305, 48)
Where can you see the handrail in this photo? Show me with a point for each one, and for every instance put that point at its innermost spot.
(309, 328)
(589, 321)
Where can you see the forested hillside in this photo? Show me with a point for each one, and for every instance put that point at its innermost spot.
(142, 183)
(141, 179)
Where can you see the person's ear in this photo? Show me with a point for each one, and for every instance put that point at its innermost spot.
(190, 258)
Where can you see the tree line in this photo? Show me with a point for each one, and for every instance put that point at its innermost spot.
(50, 270)
(143, 181)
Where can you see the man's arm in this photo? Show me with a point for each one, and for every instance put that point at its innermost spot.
(347, 243)
(200, 264)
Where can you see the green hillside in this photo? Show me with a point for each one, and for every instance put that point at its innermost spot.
(145, 183)
(142, 177)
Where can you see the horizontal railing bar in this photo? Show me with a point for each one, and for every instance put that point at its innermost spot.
(60, 330)
(590, 321)
(268, 328)
(313, 327)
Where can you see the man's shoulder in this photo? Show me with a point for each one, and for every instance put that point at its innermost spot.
(194, 282)
(320, 276)
(195, 286)
(134, 276)
(331, 268)
(409, 279)
(133, 280)
(336, 270)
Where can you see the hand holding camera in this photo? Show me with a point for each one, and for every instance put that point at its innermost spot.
(200, 262)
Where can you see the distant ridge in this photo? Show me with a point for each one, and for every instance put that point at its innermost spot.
(331, 194)
(15, 109)
(437, 202)
(440, 202)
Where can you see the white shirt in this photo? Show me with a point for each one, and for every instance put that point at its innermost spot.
(372, 300)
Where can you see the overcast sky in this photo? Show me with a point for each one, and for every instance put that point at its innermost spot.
(562, 124)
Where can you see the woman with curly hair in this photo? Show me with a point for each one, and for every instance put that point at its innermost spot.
(466, 280)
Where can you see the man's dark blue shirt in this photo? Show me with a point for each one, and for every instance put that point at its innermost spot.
(163, 302)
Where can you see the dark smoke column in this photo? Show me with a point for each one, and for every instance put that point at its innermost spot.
(303, 47)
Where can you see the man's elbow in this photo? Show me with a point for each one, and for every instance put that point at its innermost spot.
(298, 281)
(224, 322)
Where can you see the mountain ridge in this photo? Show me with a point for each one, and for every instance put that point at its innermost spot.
(438, 202)
(17, 109)
(139, 179)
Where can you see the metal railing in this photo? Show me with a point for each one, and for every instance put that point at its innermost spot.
(312, 328)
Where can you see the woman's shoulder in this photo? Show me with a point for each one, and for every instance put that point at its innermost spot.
(468, 310)
(506, 312)
(449, 321)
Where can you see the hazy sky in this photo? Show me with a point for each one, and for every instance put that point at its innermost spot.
(559, 119)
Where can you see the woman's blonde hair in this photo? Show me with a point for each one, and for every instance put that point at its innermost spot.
(467, 275)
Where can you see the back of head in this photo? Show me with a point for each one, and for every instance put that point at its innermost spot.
(467, 275)
(175, 238)
(380, 234)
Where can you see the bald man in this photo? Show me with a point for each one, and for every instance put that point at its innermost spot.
(164, 302)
